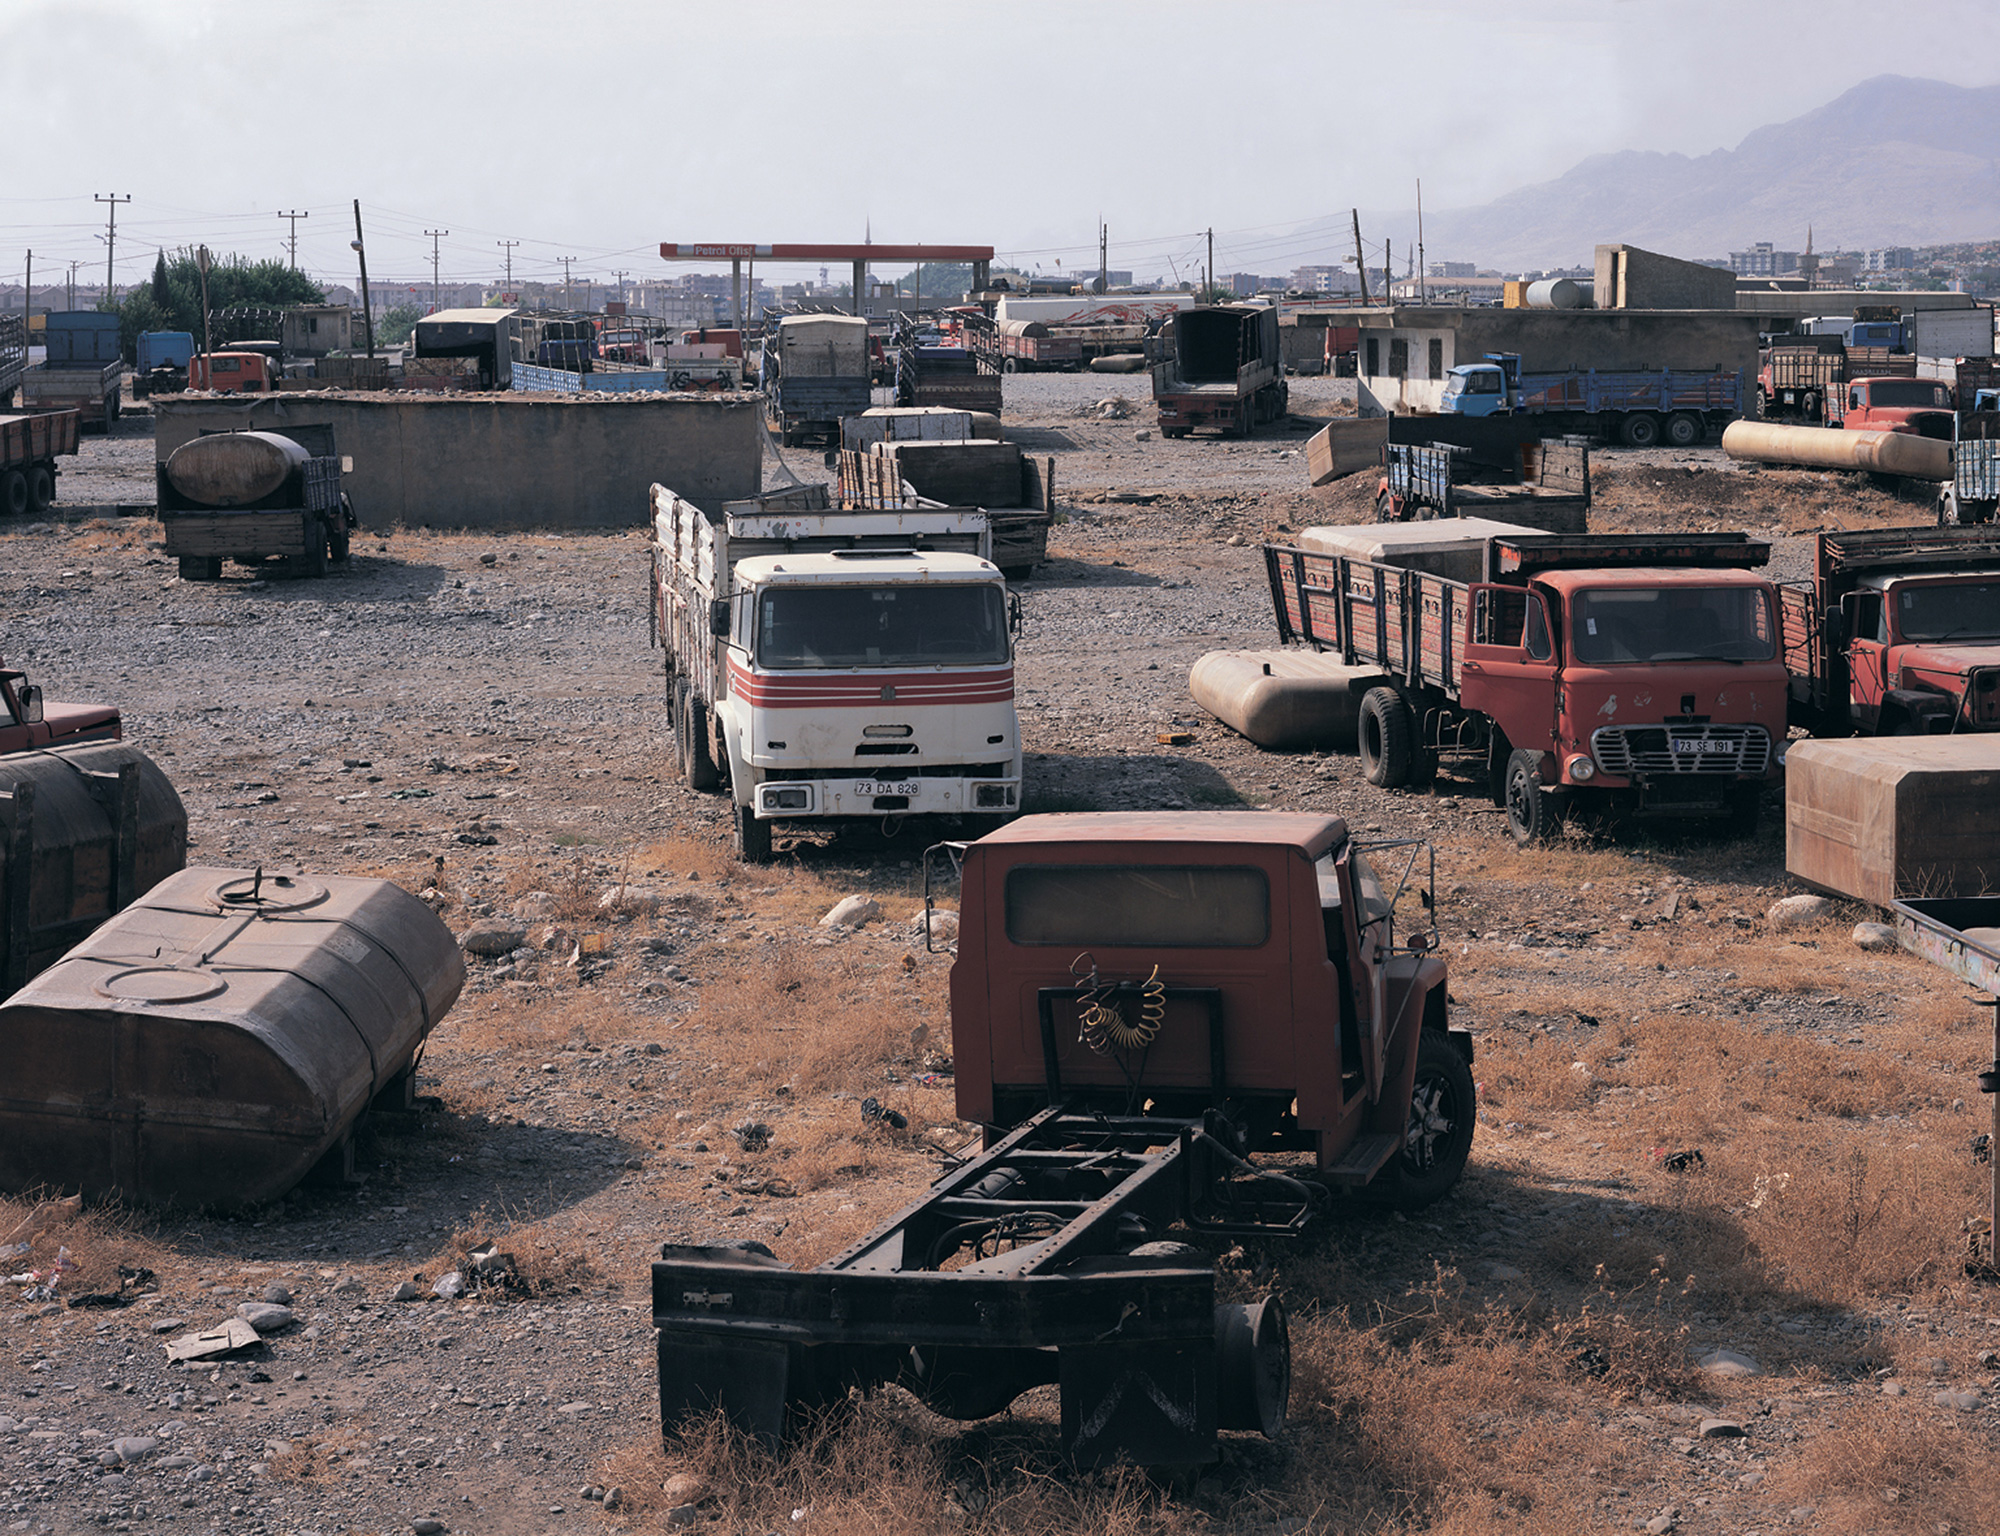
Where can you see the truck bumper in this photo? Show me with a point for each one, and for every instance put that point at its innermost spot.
(820, 799)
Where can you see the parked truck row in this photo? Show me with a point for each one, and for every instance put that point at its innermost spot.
(1680, 407)
(29, 448)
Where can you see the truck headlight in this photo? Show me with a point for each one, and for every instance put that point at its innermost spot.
(993, 796)
(797, 798)
(1582, 769)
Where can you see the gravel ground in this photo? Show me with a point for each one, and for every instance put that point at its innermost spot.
(482, 711)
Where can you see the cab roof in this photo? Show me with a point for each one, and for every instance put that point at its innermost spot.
(868, 565)
(1627, 576)
(1310, 835)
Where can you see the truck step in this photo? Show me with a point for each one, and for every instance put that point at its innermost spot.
(1363, 1158)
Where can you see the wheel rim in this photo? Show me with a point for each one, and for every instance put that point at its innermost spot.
(1520, 807)
(1434, 1117)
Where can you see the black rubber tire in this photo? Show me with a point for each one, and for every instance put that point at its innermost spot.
(200, 568)
(1533, 815)
(1438, 1137)
(1497, 752)
(13, 492)
(1385, 508)
(338, 542)
(41, 489)
(1383, 732)
(753, 837)
(313, 561)
(1641, 429)
(693, 723)
(677, 716)
(1684, 429)
(1010, 365)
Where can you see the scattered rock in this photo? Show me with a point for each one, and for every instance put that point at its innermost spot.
(853, 912)
(450, 1286)
(683, 1514)
(1659, 1525)
(1964, 1402)
(1874, 937)
(685, 1488)
(1728, 1362)
(613, 1497)
(534, 904)
(431, 1527)
(1504, 1272)
(1750, 1482)
(629, 898)
(278, 1295)
(1893, 1389)
(131, 1448)
(407, 1291)
(1722, 1429)
(494, 937)
(265, 1316)
(751, 1135)
(347, 1285)
(1798, 912)
(942, 926)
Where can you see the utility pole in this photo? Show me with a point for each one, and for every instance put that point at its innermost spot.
(295, 217)
(1423, 287)
(111, 237)
(436, 235)
(367, 309)
(1360, 259)
(27, 304)
(1103, 267)
(509, 245)
(71, 296)
(1211, 265)
(620, 273)
(566, 261)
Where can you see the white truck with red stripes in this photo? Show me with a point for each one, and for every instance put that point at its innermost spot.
(836, 666)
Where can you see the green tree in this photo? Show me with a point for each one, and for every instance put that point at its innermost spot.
(394, 328)
(172, 300)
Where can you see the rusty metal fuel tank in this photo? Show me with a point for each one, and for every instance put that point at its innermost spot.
(214, 1042)
(84, 832)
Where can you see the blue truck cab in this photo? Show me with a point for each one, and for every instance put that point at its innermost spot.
(164, 349)
(1489, 388)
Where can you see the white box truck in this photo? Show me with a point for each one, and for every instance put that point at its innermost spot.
(836, 666)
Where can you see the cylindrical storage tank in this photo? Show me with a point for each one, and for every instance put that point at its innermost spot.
(1027, 328)
(213, 1042)
(84, 832)
(1880, 453)
(1119, 362)
(1555, 293)
(235, 469)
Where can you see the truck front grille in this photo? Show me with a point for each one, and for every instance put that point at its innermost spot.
(1706, 750)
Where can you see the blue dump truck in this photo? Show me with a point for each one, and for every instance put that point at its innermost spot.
(161, 363)
(1638, 409)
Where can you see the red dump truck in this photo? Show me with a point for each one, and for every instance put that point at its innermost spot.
(29, 448)
(1898, 634)
(1639, 671)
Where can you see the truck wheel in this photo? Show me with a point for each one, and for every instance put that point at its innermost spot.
(1010, 365)
(201, 568)
(1533, 814)
(313, 561)
(1385, 508)
(692, 723)
(1640, 430)
(13, 492)
(41, 489)
(1384, 729)
(1684, 429)
(1746, 807)
(338, 544)
(753, 837)
(1438, 1138)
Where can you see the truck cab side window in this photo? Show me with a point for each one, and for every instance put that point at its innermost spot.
(1502, 618)
(1538, 644)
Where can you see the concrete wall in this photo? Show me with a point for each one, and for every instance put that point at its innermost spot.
(506, 461)
(1791, 303)
(1547, 340)
(1630, 278)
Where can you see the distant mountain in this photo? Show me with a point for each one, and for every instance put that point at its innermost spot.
(1894, 161)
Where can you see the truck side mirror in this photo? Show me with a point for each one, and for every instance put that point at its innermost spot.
(1838, 627)
(1014, 613)
(31, 704)
(718, 618)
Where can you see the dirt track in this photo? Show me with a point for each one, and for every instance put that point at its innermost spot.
(482, 713)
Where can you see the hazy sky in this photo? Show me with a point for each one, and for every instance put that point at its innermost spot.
(597, 130)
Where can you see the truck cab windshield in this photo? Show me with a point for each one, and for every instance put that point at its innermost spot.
(1635, 626)
(1949, 611)
(901, 626)
(1482, 381)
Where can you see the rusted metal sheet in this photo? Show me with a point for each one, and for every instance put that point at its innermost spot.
(1961, 936)
(215, 1041)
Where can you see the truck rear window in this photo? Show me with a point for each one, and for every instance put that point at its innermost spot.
(901, 626)
(1908, 392)
(1620, 625)
(1149, 906)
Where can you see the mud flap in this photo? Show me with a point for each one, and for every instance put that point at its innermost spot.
(748, 1379)
(1152, 1404)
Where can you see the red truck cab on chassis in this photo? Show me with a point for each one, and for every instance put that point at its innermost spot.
(231, 373)
(1921, 407)
(27, 724)
(1141, 1004)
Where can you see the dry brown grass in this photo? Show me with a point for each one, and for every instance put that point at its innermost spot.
(101, 1241)
(545, 1261)
(316, 1458)
(1895, 1465)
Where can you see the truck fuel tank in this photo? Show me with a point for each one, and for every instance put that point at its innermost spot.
(234, 469)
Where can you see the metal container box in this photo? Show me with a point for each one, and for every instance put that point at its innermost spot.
(213, 1043)
(84, 832)
(1893, 816)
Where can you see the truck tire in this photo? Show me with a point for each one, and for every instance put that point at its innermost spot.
(1534, 815)
(41, 488)
(201, 568)
(1745, 807)
(1438, 1138)
(313, 561)
(698, 761)
(753, 837)
(13, 492)
(1641, 429)
(1384, 730)
(1685, 429)
(1385, 508)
